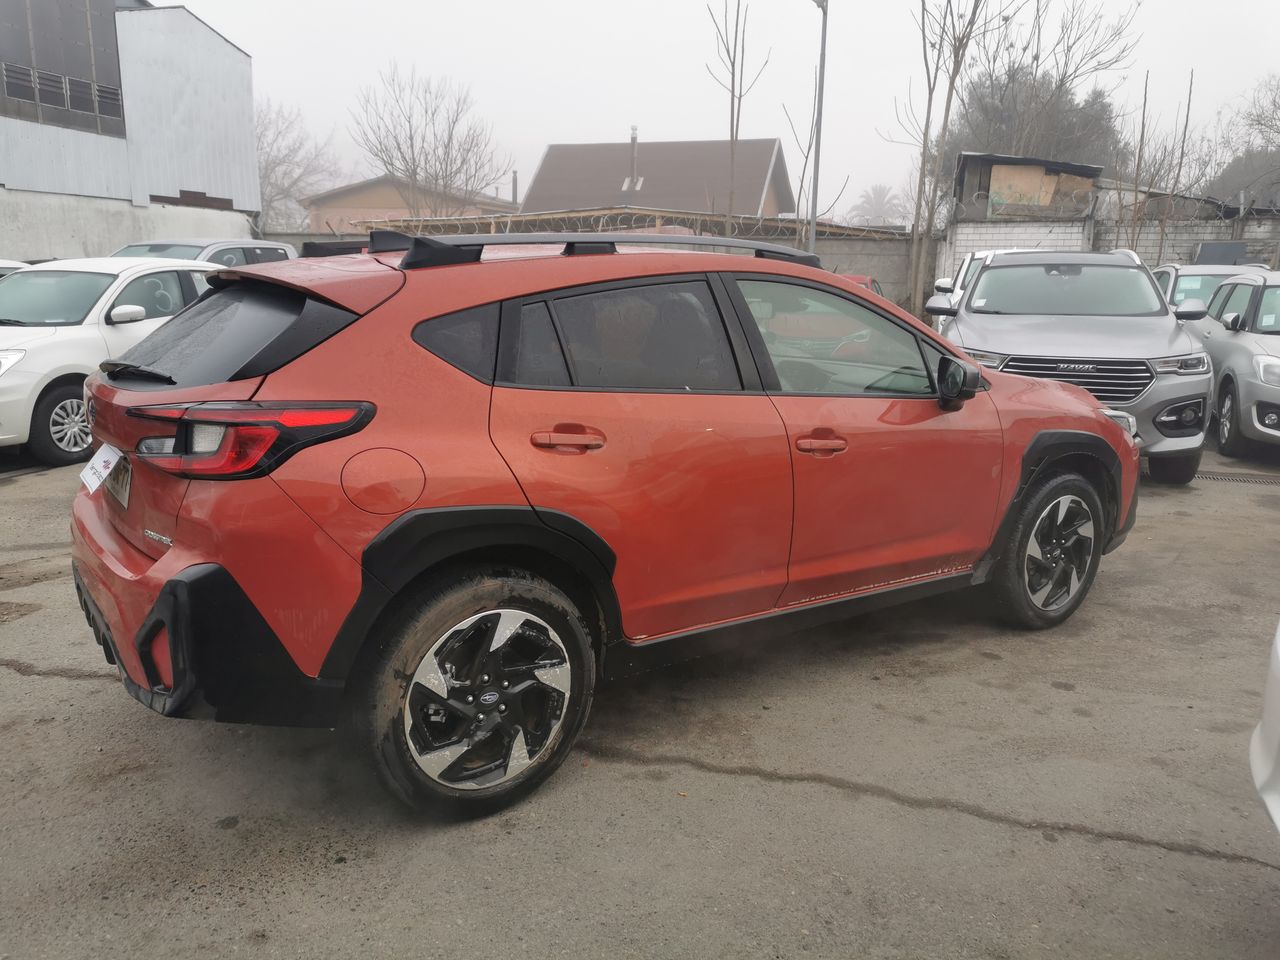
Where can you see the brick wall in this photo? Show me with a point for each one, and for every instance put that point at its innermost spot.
(1181, 237)
(968, 237)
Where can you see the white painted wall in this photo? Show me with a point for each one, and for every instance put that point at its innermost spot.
(39, 156)
(34, 225)
(967, 237)
(188, 108)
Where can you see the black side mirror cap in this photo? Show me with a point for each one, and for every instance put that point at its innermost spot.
(958, 381)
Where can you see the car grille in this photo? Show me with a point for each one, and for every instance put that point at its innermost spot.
(1111, 381)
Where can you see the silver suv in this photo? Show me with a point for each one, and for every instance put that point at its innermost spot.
(1096, 320)
(1241, 334)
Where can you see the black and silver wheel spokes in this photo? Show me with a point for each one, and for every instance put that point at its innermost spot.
(1224, 420)
(1059, 552)
(487, 698)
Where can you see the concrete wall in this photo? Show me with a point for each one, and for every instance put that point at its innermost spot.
(1181, 237)
(885, 260)
(971, 236)
(35, 225)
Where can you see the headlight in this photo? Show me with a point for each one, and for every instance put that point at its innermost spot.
(1125, 420)
(1190, 364)
(8, 358)
(992, 360)
(1268, 369)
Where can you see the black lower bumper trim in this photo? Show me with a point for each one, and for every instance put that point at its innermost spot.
(1130, 519)
(227, 663)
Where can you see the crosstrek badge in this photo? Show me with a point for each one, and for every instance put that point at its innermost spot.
(96, 470)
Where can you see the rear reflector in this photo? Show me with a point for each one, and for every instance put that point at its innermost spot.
(234, 441)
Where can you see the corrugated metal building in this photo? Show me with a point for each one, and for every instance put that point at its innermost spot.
(120, 121)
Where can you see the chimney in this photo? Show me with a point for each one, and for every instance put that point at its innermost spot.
(515, 181)
(635, 135)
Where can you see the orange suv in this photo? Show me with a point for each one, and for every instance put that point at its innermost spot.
(449, 484)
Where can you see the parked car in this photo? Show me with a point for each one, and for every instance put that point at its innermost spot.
(1096, 320)
(225, 253)
(1241, 334)
(8, 266)
(1264, 745)
(58, 321)
(956, 284)
(449, 493)
(1197, 281)
(865, 281)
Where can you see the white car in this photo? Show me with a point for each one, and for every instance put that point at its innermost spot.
(58, 321)
(8, 266)
(1264, 747)
(225, 253)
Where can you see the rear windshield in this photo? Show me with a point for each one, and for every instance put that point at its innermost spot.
(246, 330)
(1193, 287)
(1067, 289)
(179, 251)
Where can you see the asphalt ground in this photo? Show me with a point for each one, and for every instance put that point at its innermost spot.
(913, 783)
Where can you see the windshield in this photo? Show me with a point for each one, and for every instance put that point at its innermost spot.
(50, 297)
(1067, 289)
(1269, 312)
(1195, 287)
(178, 251)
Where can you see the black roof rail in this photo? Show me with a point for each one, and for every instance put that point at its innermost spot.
(468, 248)
(332, 248)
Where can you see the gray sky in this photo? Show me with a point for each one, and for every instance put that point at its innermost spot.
(550, 71)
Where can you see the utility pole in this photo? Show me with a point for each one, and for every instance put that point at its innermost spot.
(817, 131)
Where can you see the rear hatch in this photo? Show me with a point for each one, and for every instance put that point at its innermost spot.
(219, 349)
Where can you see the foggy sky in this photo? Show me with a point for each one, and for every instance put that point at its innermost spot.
(552, 71)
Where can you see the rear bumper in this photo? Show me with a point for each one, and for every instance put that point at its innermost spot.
(223, 660)
(1264, 746)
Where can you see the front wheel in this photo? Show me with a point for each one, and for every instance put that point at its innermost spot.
(1230, 442)
(479, 691)
(1175, 470)
(1052, 554)
(60, 432)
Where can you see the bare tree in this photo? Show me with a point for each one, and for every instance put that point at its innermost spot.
(920, 130)
(292, 165)
(731, 51)
(421, 131)
(1262, 117)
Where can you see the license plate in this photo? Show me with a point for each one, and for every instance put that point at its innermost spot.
(118, 481)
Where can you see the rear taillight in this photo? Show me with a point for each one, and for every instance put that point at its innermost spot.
(233, 441)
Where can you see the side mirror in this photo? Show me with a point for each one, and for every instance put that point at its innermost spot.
(126, 313)
(957, 382)
(944, 285)
(1233, 322)
(1190, 309)
(940, 305)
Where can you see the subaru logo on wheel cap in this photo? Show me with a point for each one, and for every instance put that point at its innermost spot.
(1078, 367)
(489, 697)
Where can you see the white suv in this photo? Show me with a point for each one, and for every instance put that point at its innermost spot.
(58, 321)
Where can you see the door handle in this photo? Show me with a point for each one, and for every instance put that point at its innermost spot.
(822, 446)
(550, 439)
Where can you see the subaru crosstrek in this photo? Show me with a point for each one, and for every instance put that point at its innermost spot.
(1096, 320)
(447, 485)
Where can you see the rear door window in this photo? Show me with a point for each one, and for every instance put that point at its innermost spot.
(662, 336)
(534, 356)
(269, 254)
(229, 257)
(467, 339)
(246, 330)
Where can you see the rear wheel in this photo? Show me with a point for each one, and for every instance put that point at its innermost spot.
(60, 432)
(1052, 555)
(1175, 470)
(478, 692)
(1230, 442)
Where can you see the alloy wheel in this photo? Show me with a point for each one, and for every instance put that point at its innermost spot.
(1224, 420)
(1059, 552)
(69, 427)
(487, 699)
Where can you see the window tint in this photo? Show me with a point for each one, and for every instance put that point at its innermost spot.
(822, 343)
(1238, 300)
(665, 337)
(467, 339)
(268, 254)
(245, 330)
(1067, 289)
(230, 257)
(1219, 298)
(538, 360)
(160, 294)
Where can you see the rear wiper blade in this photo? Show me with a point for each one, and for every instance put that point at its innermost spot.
(7, 322)
(116, 368)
